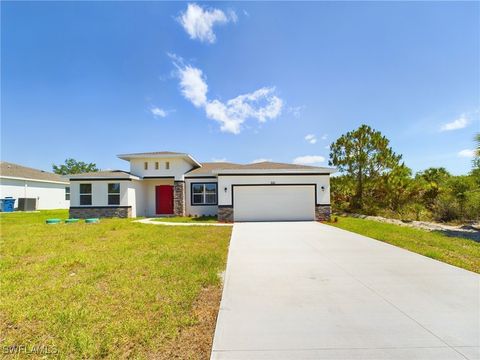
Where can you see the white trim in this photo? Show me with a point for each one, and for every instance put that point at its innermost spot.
(128, 157)
(38, 180)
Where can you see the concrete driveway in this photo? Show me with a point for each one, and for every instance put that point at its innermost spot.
(303, 290)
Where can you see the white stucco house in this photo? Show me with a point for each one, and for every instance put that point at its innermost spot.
(171, 183)
(50, 191)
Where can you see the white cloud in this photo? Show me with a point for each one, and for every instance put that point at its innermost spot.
(311, 138)
(309, 159)
(456, 124)
(194, 87)
(261, 105)
(296, 111)
(468, 153)
(219, 160)
(199, 23)
(260, 160)
(158, 112)
(324, 137)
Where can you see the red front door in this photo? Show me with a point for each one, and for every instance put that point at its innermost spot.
(164, 199)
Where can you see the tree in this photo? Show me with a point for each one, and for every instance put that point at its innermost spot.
(364, 154)
(72, 166)
(433, 181)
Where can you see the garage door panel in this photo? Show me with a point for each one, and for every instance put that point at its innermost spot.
(274, 202)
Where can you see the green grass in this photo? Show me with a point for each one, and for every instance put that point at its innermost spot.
(452, 250)
(187, 219)
(115, 289)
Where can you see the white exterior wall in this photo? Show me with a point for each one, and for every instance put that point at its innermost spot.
(150, 196)
(99, 192)
(225, 197)
(136, 198)
(178, 167)
(49, 195)
(198, 210)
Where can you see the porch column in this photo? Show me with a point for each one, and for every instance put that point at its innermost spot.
(179, 198)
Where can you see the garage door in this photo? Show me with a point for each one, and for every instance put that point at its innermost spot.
(273, 202)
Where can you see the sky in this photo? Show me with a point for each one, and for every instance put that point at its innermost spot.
(238, 81)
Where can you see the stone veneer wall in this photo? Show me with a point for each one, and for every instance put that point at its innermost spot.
(97, 212)
(322, 212)
(225, 213)
(179, 198)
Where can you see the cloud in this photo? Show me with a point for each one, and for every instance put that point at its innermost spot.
(260, 160)
(296, 111)
(158, 112)
(199, 22)
(308, 159)
(194, 88)
(468, 153)
(311, 138)
(261, 104)
(219, 159)
(456, 124)
(324, 137)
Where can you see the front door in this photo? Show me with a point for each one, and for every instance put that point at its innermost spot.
(164, 199)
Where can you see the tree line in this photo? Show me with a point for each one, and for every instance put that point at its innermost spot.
(374, 180)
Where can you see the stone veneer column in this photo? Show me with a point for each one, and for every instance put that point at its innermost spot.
(322, 212)
(225, 213)
(179, 198)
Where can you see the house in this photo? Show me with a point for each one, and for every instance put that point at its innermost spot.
(50, 191)
(171, 183)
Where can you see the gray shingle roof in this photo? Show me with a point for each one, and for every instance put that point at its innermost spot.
(210, 168)
(117, 174)
(19, 171)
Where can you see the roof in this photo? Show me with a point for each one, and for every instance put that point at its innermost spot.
(159, 154)
(106, 174)
(12, 170)
(214, 168)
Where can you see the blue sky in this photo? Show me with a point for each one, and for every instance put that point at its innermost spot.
(238, 81)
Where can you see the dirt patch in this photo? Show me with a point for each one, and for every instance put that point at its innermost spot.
(195, 342)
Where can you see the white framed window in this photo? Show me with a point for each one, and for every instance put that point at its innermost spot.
(156, 165)
(114, 194)
(204, 193)
(85, 194)
(145, 165)
(167, 165)
(67, 192)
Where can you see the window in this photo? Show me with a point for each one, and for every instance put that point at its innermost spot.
(145, 165)
(67, 192)
(167, 165)
(114, 194)
(85, 194)
(204, 194)
(156, 165)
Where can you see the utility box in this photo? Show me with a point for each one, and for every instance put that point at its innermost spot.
(8, 204)
(27, 204)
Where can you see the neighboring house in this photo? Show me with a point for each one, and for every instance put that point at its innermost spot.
(51, 191)
(170, 183)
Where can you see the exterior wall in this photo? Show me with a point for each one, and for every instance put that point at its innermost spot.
(198, 210)
(99, 192)
(136, 198)
(178, 167)
(225, 197)
(149, 193)
(48, 195)
(98, 212)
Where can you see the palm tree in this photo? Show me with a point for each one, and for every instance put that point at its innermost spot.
(477, 140)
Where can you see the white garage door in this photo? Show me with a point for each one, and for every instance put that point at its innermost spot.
(274, 202)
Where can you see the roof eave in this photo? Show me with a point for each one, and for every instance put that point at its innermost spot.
(276, 171)
(129, 157)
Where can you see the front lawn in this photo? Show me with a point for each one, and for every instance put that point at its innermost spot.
(452, 250)
(115, 289)
(188, 219)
